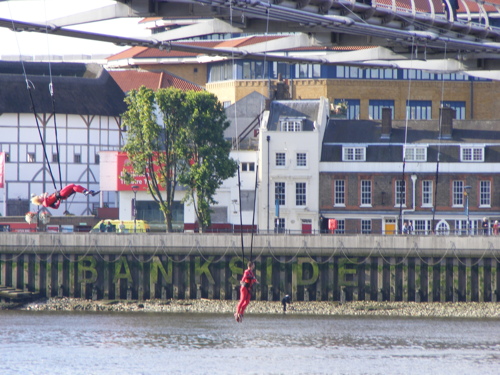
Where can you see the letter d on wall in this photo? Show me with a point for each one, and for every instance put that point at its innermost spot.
(301, 261)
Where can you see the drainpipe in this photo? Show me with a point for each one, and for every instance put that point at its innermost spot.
(414, 181)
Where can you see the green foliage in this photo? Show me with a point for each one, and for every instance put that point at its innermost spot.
(177, 136)
(208, 152)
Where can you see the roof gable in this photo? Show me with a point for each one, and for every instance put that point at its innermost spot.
(133, 79)
(303, 109)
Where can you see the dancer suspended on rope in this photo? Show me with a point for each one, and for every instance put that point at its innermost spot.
(247, 282)
(54, 200)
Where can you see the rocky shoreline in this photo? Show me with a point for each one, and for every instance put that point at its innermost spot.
(358, 308)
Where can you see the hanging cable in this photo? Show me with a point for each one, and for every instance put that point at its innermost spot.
(53, 100)
(439, 148)
(30, 86)
(402, 187)
(241, 217)
(236, 141)
(254, 204)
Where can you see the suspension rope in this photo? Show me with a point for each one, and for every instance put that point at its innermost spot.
(241, 217)
(440, 122)
(30, 86)
(402, 187)
(254, 204)
(53, 100)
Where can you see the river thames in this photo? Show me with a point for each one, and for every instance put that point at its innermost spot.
(168, 343)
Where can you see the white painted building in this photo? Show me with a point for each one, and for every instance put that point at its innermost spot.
(290, 141)
(87, 103)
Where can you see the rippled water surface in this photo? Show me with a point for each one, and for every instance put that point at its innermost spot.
(141, 343)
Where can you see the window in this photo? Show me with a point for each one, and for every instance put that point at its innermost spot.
(400, 193)
(247, 167)
(279, 224)
(281, 69)
(301, 159)
(419, 109)
(458, 106)
(427, 193)
(77, 159)
(485, 193)
(473, 154)
(55, 157)
(252, 70)
(307, 70)
(422, 226)
(375, 108)
(340, 227)
(31, 157)
(346, 108)
(339, 193)
(462, 227)
(280, 159)
(415, 153)
(300, 194)
(279, 193)
(366, 193)
(366, 226)
(458, 193)
(353, 153)
(226, 104)
(291, 125)
(97, 159)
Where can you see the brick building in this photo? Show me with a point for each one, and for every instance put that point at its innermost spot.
(374, 176)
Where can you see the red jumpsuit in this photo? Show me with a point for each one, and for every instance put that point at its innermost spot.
(54, 200)
(247, 281)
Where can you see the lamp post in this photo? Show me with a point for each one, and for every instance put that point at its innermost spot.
(135, 188)
(466, 193)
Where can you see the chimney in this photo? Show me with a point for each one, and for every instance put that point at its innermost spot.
(447, 115)
(386, 123)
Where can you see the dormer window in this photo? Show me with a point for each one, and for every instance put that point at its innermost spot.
(291, 124)
(416, 153)
(353, 153)
(472, 153)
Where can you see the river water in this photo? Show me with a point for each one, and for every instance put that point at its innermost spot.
(159, 343)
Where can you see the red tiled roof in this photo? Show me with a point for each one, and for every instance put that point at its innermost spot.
(146, 52)
(133, 79)
(248, 41)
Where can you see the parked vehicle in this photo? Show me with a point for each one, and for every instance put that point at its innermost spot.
(141, 226)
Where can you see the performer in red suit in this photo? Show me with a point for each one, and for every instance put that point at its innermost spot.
(247, 282)
(54, 200)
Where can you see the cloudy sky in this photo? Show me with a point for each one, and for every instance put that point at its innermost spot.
(39, 11)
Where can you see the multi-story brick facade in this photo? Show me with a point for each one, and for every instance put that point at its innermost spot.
(446, 171)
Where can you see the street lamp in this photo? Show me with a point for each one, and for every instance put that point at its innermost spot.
(466, 193)
(135, 188)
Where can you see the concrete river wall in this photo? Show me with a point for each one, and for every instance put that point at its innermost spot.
(191, 266)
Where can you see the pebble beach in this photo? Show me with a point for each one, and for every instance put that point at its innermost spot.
(358, 308)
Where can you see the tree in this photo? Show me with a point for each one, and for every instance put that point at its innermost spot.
(177, 137)
(156, 132)
(207, 153)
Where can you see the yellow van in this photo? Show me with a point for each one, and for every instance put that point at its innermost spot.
(141, 226)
